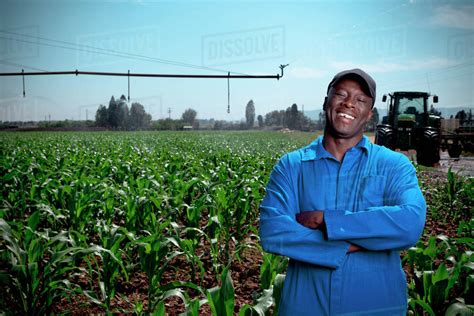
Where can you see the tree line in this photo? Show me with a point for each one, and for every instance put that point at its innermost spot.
(118, 116)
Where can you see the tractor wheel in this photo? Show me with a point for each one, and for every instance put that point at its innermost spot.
(454, 151)
(427, 153)
(384, 136)
(427, 156)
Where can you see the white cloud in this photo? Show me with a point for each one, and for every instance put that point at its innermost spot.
(305, 72)
(384, 67)
(461, 17)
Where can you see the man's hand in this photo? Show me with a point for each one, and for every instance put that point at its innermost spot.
(311, 219)
(315, 220)
(354, 248)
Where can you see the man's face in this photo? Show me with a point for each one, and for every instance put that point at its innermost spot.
(348, 109)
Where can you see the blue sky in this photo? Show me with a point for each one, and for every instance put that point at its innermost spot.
(417, 45)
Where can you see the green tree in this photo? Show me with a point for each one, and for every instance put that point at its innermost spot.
(101, 116)
(461, 116)
(260, 121)
(113, 113)
(123, 113)
(275, 118)
(293, 117)
(271, 118)
(118, 115)
(250, 114)
(189, 116)
(138, 117)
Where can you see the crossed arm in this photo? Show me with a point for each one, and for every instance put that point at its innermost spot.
(315, 220)
(324, 237)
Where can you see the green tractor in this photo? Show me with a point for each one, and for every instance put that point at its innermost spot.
(409, 125)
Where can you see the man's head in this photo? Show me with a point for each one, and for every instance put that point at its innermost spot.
(363, 78)
(349, 102)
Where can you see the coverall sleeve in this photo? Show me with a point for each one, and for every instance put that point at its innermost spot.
(398, 225)
(281, 234)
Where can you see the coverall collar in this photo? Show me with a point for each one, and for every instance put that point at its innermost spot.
(316, 150)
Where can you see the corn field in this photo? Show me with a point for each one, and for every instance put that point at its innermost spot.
(167, 223)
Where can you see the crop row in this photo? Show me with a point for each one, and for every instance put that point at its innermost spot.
(92, 219)
(97, 208)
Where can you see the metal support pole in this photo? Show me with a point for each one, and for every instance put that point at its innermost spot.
(23, 73)
(228, 92)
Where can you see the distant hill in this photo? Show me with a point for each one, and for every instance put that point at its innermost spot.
(445, 112)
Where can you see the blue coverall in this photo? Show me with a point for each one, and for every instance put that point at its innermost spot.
(370, 199)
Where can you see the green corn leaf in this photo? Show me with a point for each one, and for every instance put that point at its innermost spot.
(221, 299)
(192, 309)
(437, 293)
(445, 240)
(469, 284)
(277, 290)
(264, 302)
(92, 297)
(427, 282)
(441, 274)
(465, 240)
(159, 310)
(427, 308)
(431, 250)
(469, 265)
(459, 309)
(33, 220)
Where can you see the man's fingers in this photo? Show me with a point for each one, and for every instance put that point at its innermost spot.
(307, 220)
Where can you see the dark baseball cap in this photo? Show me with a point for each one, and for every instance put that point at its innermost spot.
(367, 82)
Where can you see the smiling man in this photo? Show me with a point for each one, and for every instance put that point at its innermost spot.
(341, 209)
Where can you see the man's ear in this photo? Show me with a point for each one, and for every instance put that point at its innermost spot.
(325, 103)
(371, 113)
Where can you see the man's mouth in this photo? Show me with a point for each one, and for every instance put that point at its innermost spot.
(344, 115)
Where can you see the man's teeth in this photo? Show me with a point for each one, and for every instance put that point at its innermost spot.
(346, 116)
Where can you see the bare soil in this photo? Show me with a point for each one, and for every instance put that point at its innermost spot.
(245, 273)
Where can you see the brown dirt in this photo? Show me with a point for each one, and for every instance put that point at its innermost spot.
(245, 273)
(245, 276)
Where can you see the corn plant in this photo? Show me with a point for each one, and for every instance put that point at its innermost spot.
(159, 308)
(37, 265)
(107, 195)
(459, 309)
(224, 217)
(466, 229)
(192, 308)
(430, 287)
(156, 253)
(105, 264)
(459, 195)
(452, 186)
(270, 297)
(222, 298)
(278, 283)
(272, 266)
(262, 306)
(188, 247)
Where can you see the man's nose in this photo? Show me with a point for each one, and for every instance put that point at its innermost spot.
(348, 102)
